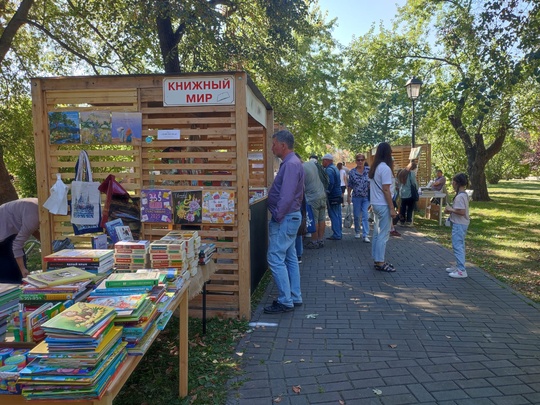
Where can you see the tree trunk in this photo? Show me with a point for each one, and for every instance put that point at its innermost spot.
(7, 190)
(168, 45)
(477, 177)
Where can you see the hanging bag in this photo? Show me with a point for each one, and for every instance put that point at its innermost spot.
(119, 204)
(414, 191)
(85, 198)
(348, 219)
(310, 219)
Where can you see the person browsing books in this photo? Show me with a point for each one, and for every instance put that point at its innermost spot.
(19, 220)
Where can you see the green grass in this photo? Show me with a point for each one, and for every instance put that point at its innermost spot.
(504, 235)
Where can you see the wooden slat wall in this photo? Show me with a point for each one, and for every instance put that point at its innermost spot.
(211, 154)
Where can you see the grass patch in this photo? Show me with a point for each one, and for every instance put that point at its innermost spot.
(504, 234)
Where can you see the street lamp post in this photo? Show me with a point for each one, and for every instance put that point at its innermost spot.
(413, 91)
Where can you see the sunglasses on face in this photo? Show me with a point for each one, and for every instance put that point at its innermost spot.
(360, 160)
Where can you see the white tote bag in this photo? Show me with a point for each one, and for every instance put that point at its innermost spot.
(85, 196)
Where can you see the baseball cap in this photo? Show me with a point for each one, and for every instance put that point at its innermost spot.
(328, 156)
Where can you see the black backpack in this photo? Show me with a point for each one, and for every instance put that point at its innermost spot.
(323, 176)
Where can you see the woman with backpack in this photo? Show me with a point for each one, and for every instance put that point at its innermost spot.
(407, 180)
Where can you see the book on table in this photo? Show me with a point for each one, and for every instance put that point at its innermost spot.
(123, 305)
(133, 279)
(81, 318)
(66, 275)
(79, 255)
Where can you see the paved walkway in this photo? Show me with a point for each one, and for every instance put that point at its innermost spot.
(415, 336)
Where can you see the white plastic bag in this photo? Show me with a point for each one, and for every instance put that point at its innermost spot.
(57, 202)
(85, 196)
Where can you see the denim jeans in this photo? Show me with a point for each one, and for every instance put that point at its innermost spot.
(334, 212)
(282, 258)
(299, 246)
(360, 207)
(458, 244)
(407, 209)
(381, 231)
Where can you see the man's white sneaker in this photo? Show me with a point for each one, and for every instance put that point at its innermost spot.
(366, 240)
(357, 236)
(458, 274)
(451, 269)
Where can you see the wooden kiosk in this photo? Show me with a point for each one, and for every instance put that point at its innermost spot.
(199, 131)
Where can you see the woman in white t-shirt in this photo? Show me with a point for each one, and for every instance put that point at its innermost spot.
(459, 217)
(381, 178)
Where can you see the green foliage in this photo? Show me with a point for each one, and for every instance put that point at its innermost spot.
(508, 163)
(17, 143)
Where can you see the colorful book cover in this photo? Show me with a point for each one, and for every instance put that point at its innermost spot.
(123, 233)
(66, 275)
(187, 207)
(80, 318)
(95, 127)
(132, 279)
(100, 242)
(126, 128)
(64, 127)
(111, 226)
(123, 305)
(156, 206)
(218, 207)
(79, 255)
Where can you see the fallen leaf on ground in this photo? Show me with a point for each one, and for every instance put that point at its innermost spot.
(392, 346)
(377, 392)
(287, 361)
(277, 400)
(318, 327)
(296, 389)
(312, 316)
(256, 345)
(239, 354)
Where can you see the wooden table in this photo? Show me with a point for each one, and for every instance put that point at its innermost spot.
(180, 303)
(435, 194)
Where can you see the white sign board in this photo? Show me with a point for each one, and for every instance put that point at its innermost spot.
(168, 134)
(197, 91)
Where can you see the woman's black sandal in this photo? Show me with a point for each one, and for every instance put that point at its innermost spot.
(387, 267)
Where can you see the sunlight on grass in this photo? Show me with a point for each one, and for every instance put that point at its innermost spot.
(504, 235)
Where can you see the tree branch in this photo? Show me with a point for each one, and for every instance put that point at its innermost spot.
(67, 47)
(16, 22)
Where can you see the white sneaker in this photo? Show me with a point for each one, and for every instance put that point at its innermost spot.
(451, 269)
(366, 240)
(458, 274)
(357, 236)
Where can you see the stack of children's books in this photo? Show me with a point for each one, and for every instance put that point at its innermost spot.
(134, 297)
(192, 244)
(92, 260)
(28, 321)
(68, 283)
(9, 301)
(131, 255)
(81, 354)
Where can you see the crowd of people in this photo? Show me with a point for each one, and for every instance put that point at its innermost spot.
(372, 189)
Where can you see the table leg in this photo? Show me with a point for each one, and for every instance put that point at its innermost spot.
(183, 345)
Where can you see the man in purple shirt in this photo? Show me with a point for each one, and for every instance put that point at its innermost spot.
(284, 203)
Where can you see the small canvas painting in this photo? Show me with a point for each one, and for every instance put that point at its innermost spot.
(96, 127)
(64, 127)
(126, 128)
(187, 207)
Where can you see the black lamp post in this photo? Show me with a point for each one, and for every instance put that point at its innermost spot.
(413, 91)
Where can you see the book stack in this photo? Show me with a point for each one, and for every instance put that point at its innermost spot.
(9, 301)
(169, 254)
(206, 251)
(192, 244)
(92, 260)
(137, 313)
(131, 255)
(81, 353)
(31, 320)
(68, 283)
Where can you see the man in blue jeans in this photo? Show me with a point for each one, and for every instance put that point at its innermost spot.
(335, 198)
(284, 204)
